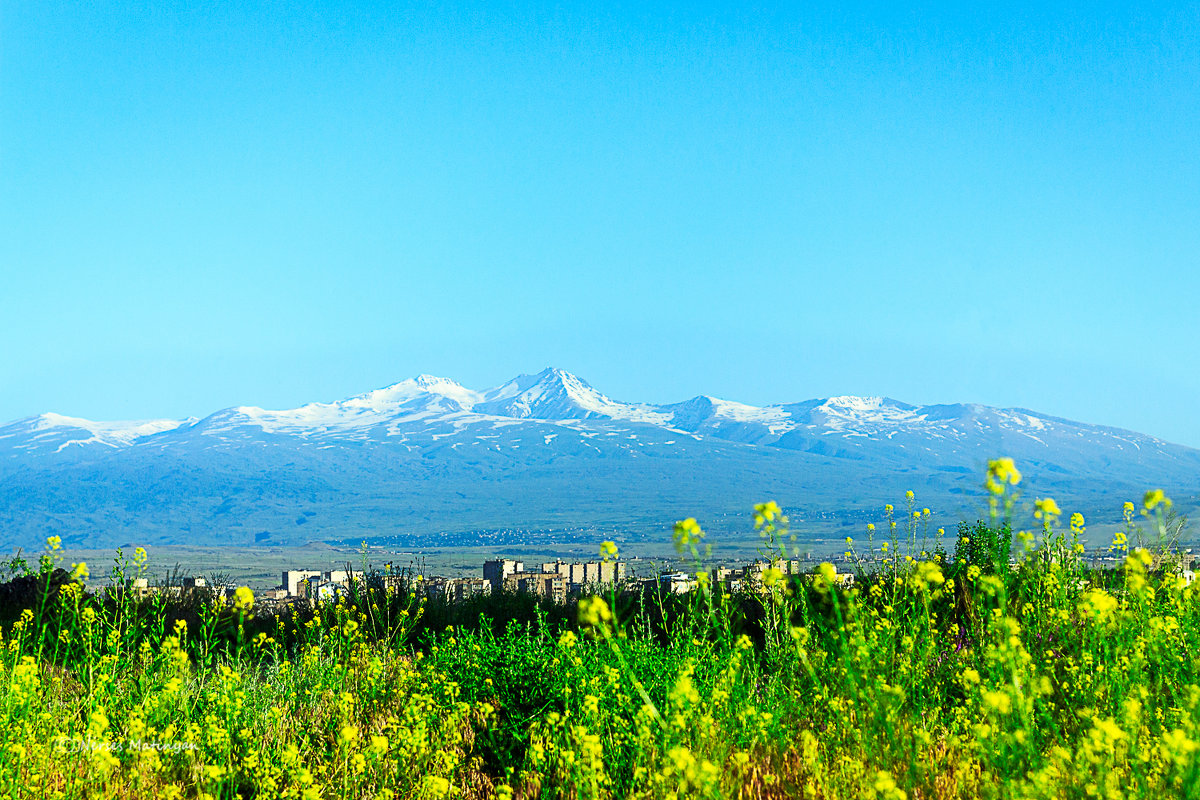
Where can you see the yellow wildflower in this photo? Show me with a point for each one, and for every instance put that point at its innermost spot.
(1046, 508)
(379, 745)
(1000, 472)
(1154, 498)
(1000, 702)
(687, 532)
(243, 599)
(594, 612)
(765, 513)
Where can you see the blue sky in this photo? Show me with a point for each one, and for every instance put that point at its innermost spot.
(276, 203)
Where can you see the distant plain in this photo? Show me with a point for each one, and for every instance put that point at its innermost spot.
(260, 567)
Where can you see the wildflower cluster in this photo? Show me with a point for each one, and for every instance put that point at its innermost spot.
(913, 672)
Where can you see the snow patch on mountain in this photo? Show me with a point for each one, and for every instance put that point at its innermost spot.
(423, 387)
(423, 397)
(849, 413)
(553, 394)
(62, 432)
(705, 411)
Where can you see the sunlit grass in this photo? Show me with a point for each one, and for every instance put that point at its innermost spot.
(985, 663)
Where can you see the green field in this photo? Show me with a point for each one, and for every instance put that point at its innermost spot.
(999, 664)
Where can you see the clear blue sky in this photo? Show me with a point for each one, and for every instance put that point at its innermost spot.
(210, 204)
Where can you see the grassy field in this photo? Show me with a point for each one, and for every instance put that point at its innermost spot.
(949, 670)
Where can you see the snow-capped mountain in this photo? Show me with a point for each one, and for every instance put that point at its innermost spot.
(557, 395)
(544, 448)
(419, 398)
(56, 433)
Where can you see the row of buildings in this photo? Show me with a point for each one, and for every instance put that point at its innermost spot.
(750, 577)
(313, 584)
(554, 580)
(558, 580)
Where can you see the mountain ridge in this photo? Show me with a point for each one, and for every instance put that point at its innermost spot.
(428, 457)
(556, 395)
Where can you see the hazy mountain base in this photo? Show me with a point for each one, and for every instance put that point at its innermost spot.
(545, 457)
(283, 491)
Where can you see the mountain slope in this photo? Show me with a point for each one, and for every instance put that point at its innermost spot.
(427, 457)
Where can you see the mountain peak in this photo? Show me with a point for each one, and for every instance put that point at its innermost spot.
(550, 394)
(555, 394)
(62, 432)
(855, 406)
(428, 387)
(856, 402)
(426, 380)
(556, 375)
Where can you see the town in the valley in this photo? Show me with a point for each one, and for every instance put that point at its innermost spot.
(552, 580)
(556, 581)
